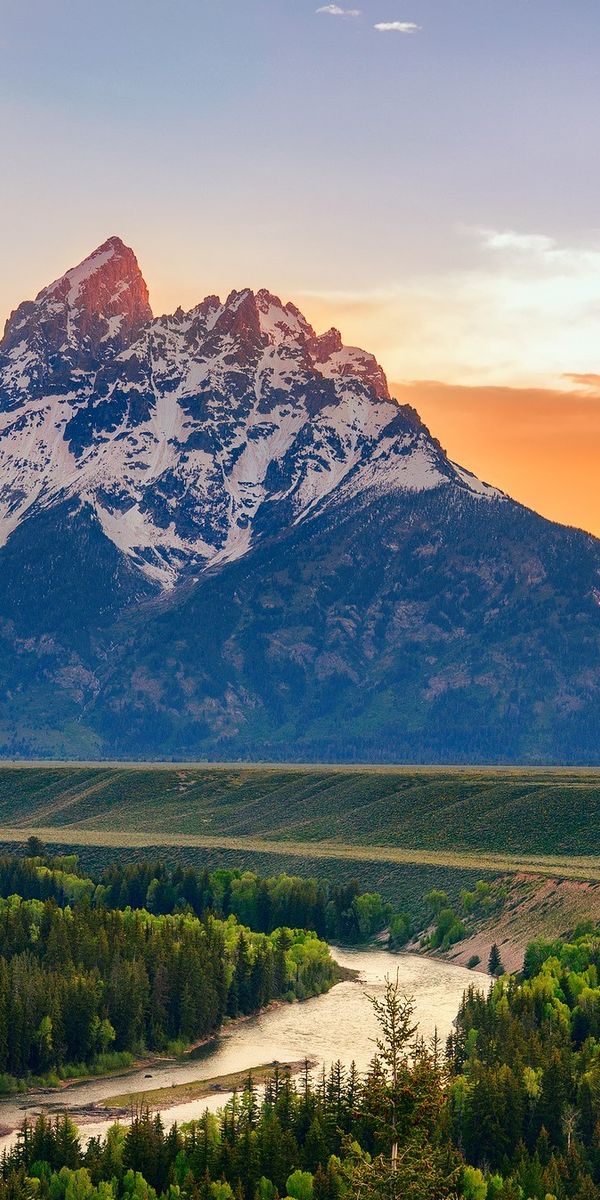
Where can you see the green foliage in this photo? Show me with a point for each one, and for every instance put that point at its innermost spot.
(448, 930)
(300, 1185)
(372, 914)
(266, 1189)
(339, 911)
(474, 1184)
(495, 961)
(435, 901)
(401, 930)
(525, 1089)
(82, 987)
(483, 899)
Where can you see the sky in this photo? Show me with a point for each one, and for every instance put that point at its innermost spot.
(422, 174)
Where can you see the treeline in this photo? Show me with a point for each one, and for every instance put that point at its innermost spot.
(339, 912)
(323, 1141)
(525, 1094)
(39, 876)
(510, 1112)
(78, 983)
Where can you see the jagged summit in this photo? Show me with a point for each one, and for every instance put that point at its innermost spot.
(193, 435)
(108, 281)
(220, 537)
(76, 323)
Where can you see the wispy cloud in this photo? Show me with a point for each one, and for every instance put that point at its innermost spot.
(588, 383)
(334, 10)
(525, 311)
(509, 239)
(397, 27)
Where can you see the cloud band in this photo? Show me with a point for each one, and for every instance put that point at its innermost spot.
(397, 27)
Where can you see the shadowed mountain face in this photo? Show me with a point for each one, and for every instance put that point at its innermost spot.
(221, 537)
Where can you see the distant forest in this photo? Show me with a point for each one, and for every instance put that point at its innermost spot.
(340, 912)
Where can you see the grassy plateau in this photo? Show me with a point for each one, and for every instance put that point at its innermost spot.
(382, 825)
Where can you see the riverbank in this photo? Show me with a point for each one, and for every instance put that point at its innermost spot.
(534, 907)
(337, 1025)
(148, 1062)
(198, 1089)
(120, 1105)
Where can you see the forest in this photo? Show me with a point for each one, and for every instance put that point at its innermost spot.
(508, 1110)
(339, 912)
(524, 1076)
(310, 1139)
(85, 986)
(149, 958)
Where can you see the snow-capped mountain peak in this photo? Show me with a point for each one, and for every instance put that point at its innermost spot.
(190, 436)
(73, 286)
(76, 323)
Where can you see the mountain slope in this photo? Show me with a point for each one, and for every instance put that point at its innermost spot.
(222, 537)
(191, 436)
(408, 629)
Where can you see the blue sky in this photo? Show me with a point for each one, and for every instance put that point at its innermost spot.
(434, 193)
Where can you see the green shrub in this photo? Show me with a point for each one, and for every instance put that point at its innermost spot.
(449, 929)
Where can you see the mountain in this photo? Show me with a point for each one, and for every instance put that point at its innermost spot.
(191, 436)
(220, 536)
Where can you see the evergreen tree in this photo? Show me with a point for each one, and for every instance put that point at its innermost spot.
(495, 962)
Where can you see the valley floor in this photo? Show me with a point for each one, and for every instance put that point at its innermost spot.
(400, 830)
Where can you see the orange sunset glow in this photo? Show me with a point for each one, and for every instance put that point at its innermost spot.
(540, 446)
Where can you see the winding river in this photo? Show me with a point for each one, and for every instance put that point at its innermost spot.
(339, 1025)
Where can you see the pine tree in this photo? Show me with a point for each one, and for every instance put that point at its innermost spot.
(495, 966)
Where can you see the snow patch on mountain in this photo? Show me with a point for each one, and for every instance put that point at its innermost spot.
(193, 434)
(68, 287)
(476, 486)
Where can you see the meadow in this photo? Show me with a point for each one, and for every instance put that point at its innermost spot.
(397, 830)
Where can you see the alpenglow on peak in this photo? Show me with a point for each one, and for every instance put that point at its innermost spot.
(189, 437)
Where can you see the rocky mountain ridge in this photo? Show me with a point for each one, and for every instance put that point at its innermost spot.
(191, 435)
(220, 537)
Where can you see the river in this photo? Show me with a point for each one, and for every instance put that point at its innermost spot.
(339, 1025)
